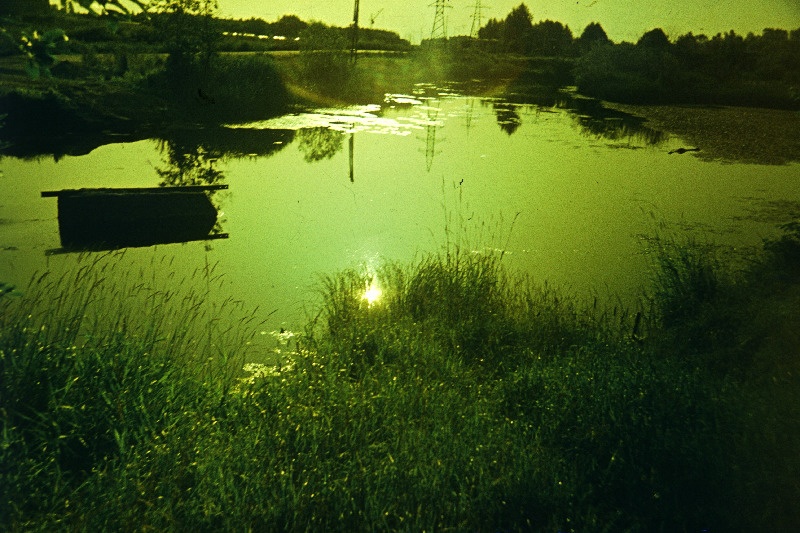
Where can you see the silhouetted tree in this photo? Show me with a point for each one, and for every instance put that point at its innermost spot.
(593, 35)
(550, 38)
(727, 55)
(690, 50)
(493, 30)
(517, 29)
(289, 26)
(655, 39)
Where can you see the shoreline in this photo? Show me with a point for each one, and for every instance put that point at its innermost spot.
(727, 133)
(68, 116)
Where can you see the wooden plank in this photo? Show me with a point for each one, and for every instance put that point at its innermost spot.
(62, 251)
(137, 190)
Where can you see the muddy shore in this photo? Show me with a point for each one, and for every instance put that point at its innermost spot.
(740, 134)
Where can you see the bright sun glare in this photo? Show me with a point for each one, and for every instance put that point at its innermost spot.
(372, 293)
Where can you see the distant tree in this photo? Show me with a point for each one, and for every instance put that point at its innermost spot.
(189, 31)
(593, 35)
(550, 38)
(517, 29)
(256, 26)
(773, 55)
(655, 39)
(691, 50)
(325, 56)
(727, 55)
(289, 26)
(493, 30)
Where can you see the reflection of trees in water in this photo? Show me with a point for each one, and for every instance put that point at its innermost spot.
(507, 117)
(617, 128)
(188, 165)
(589, 115)
(319, 143)
(234, 142)
(595, 119)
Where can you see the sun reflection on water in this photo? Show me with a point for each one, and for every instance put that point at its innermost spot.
(372, 293)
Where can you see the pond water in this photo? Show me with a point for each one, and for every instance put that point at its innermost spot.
(566, 189)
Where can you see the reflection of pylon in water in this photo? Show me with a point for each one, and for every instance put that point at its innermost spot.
(439, 30)
(469, 112)
(430, 140)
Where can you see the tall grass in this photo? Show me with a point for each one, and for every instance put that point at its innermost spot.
(93, 366)
(463, 398)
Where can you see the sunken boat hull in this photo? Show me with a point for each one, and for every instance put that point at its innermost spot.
(102, 219)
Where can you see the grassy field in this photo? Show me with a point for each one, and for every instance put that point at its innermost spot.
(464, 398)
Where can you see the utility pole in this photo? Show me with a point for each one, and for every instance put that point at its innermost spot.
(439, 30)
(354, 42)
(477, 20)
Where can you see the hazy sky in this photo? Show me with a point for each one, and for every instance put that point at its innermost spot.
(622, 19)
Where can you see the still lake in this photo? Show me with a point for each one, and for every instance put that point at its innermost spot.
(569, 191)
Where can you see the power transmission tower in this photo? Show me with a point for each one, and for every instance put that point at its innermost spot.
(439, 30)
(477, 19)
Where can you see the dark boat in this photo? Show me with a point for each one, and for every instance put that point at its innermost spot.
(106, 219)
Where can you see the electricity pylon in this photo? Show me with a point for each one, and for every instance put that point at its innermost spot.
(439, 30)
(477, 19)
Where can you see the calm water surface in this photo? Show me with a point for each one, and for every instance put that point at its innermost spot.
(565, 193)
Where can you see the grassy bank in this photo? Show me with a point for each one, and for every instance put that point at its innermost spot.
(463, 399)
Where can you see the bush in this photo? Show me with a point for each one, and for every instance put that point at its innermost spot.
(629, 73)
(206, 93)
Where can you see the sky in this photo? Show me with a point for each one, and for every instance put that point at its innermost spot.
(622, 19)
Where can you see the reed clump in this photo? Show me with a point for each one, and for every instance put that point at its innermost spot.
(443, 394)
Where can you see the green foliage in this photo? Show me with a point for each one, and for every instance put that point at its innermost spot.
(690, 290)
(108, 6)
(41, 50)
(786, 250)
(550, 38)
(517, 29)
(593, 35)
(655, 39)
(325, 58)
(462, 398)
(518, 34)
(204, 93)
(726, 69)
(628, 73)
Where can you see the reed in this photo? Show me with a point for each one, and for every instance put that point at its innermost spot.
(461, 398)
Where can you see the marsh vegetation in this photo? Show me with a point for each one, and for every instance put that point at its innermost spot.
(463, 398)
(445, 392)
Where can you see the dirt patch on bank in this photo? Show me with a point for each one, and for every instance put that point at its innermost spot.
(736, 134)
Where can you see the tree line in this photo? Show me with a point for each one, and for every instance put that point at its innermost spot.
(142, 24)
(757, 69)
